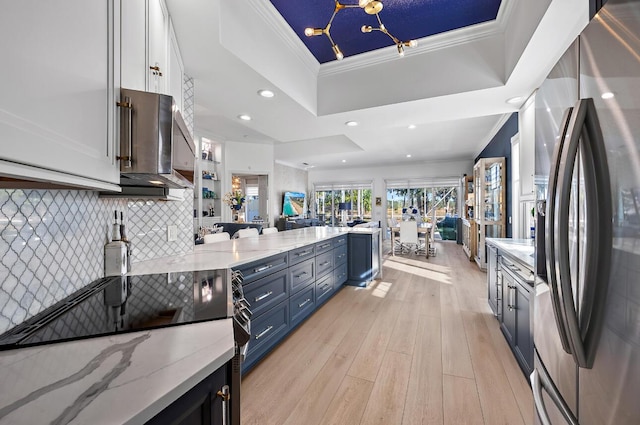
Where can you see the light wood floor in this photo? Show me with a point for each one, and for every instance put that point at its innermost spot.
(419, 346)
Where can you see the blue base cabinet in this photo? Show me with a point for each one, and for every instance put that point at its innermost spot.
(287, 288)
(364, 258)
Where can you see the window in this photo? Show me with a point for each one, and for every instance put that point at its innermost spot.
(343, 204)
(422, 200)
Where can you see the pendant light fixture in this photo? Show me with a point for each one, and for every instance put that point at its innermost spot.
(370, 7)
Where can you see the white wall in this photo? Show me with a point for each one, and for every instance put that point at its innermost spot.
(247, 158)
(287, 178)
(379, 174)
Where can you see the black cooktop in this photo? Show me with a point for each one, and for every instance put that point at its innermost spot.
(128, 303)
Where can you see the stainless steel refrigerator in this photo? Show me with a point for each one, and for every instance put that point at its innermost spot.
(587, 293)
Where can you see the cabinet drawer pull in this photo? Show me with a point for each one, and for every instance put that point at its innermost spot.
(264, 332)
(341, 255)
(301, 275)
(303, 253)
(261, 269)
(341, 240)
(263, 296)
(326, 263)
(307, 301)
(326, 286)
(327, 245)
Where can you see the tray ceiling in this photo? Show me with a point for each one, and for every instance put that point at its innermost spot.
(405, 19)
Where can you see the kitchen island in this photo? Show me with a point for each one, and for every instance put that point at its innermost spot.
(130, 378)
(234, 253)
(119, 379)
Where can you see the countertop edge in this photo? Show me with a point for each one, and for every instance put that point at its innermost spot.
(506, 247)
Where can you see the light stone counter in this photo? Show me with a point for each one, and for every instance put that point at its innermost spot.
(121, 379)
(129, 378)
(520, 249)
(240, 251)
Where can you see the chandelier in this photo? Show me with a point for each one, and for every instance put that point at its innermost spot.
(371, 7)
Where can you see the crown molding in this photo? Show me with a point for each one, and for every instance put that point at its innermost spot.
(274, 20)
(428, 44)
(281, 28)
(486, 140)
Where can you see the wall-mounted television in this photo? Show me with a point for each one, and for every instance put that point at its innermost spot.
(293, 204)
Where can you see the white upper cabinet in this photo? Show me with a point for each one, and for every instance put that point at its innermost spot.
(58, 91)
(151, 58)
(158, 43)
(176, 70)
(527, 127)
(135, 63)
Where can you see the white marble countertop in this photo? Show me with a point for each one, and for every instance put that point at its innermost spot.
(521, 249)
(129, 378)
(121, 379)
(240, 251)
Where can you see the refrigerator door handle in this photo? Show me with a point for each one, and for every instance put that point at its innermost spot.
(550, 234)
(540, 380)
(584, 332)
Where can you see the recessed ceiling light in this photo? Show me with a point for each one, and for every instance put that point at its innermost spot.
(244, 117)
(548, 109)
(408, 155)
(412, 126)
(351, 123)
(515, 100)
(607, 95)
(344, 160)
(266, 93)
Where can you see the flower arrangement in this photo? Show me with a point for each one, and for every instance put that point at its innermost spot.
(234, 200)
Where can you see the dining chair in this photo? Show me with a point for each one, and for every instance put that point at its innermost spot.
(216, 237)
(269, 230)
(408, 236)
(247, 233)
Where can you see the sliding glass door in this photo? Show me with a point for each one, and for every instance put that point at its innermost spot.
(343, 204)
(433, 201)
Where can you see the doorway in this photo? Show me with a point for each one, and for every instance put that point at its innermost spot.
(255, 188)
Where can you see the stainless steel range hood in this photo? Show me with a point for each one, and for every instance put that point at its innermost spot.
(157, 152)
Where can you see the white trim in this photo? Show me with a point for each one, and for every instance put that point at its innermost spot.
(425, 45)
(281, 28)
(422, 182)
(292, 165)
(267, 11)
(487, 139)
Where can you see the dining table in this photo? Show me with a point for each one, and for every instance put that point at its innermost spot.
(424, 230)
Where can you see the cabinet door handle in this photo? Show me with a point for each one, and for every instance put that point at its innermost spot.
(128, 130)
(156, 70)
(263, 268)
(224, 394)
(307, 301)
(341, 255)
(325, 263)
(326, 286)
(303, 253)
(264, 332)
(301, 275)
(263, 296)
(512, 302)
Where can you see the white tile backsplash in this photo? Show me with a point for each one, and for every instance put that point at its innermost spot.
(52, 243)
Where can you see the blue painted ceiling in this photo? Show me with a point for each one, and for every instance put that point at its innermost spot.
(405, 19)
